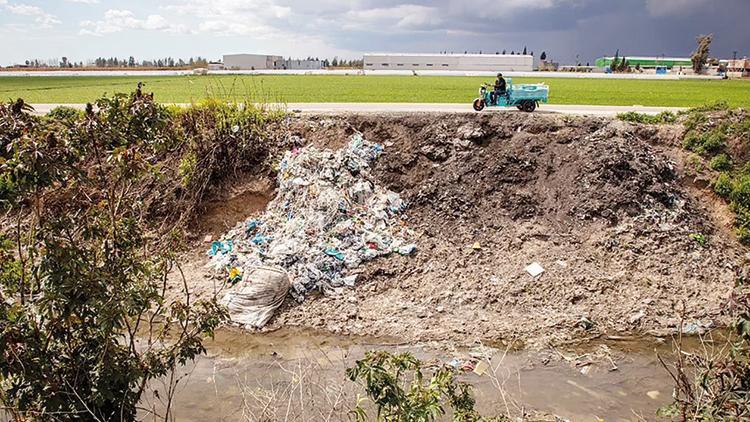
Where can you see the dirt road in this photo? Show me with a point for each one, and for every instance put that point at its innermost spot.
(339, 108)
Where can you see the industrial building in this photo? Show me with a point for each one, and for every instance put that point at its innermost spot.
(252, 62)
(465, 62)
(648, 62)
(264, 61)
(738, 67)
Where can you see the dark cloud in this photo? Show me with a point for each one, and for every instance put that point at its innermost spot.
(587, 28)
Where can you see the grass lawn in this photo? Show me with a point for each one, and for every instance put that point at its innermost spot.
(400, 89)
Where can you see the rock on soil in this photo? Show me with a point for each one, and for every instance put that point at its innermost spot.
(601, 205)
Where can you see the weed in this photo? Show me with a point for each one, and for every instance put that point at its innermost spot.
(705, 143)
(721, 162)
(699, 238)
(661, 118)
(67, 114)
(723, 185)
(188, 163)
(396, 384)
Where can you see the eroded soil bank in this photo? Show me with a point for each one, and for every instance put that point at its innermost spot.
(605, 207)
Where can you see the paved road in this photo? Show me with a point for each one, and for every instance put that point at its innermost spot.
(339, 108)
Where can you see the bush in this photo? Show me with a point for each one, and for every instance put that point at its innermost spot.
(706, 143)
(396, 385)
(66, 114)
(84, 324)
(695, 121)
(723, 185)
(634, 117)
(721, 162)
(741, 192)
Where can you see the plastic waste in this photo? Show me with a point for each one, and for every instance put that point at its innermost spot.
(407, 249)
(334, 253)
(220, 247)
(534, 269)
(235, 275)
(330, 215)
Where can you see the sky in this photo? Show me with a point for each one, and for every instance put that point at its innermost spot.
(566, 29)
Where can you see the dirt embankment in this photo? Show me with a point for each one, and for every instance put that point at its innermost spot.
(601, 205)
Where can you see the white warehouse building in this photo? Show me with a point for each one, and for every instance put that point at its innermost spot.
(464, 62)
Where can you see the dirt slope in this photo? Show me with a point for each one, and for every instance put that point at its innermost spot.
(598, 203)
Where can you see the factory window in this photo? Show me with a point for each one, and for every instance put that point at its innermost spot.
(400, 64)
(369, 64)
(429, 64)
(445, 65)
(385, 64)
(415, 64)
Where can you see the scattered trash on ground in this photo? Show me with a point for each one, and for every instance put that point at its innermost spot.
(329, 216)
(534, 269)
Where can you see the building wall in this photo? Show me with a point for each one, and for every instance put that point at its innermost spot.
(302, 64)
(648, 62)
(465, 62)
(252, 61)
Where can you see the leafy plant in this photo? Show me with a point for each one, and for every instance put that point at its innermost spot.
(723, 185)
(721, 162)
(661, 118)
(400, 391)
(699, 238)
(97, 215)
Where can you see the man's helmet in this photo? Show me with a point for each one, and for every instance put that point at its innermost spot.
(499, 75)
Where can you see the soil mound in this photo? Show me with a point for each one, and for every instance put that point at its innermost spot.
(625, 245)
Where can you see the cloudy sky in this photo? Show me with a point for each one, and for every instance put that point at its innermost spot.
(84, 29)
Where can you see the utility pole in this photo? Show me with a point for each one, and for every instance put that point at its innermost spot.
(734, 55)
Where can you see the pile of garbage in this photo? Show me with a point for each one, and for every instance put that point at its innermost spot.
(329, 216)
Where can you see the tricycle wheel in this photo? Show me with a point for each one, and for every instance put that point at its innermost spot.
(520, 107)
(529, 106)
(478, 104)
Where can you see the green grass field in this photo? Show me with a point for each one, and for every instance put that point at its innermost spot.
(403, 89)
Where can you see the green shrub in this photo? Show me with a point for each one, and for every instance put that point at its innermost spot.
(723, 185)
(699, 238)
(695, 121)
(68, 114)
(692, 140)
(84, 321)
(706, 143)
(743, 233)
(741, 192)
(634, 117)
(721, 162)
(713, 142)
(396, 385)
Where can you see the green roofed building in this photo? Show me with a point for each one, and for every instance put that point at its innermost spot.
(648, 62)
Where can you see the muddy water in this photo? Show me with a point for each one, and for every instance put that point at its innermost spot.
(299, 375)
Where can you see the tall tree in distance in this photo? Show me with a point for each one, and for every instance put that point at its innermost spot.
(524, 50)
(543, 56)
(700, 55)
(615, 60)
